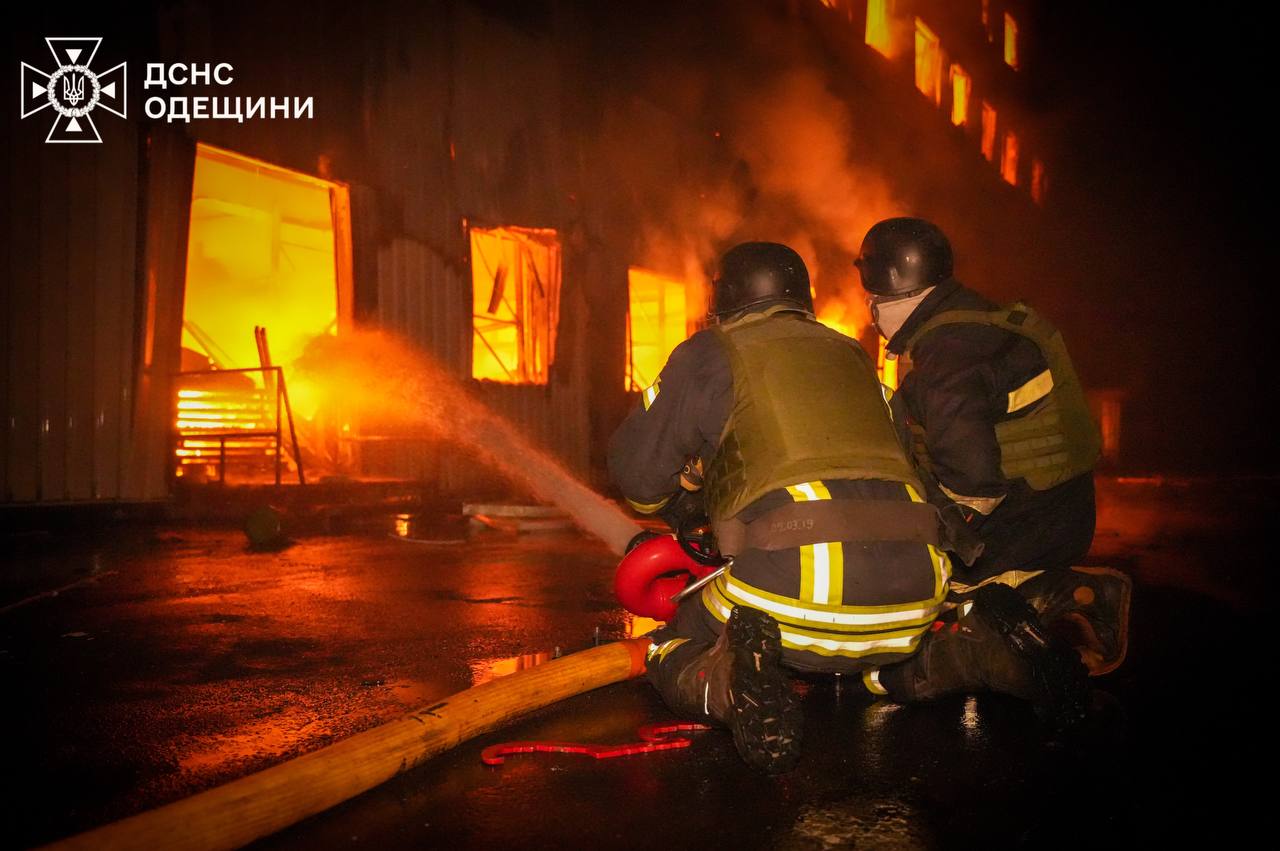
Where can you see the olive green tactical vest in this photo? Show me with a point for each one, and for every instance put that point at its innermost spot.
(1057, 439)
(806, 405)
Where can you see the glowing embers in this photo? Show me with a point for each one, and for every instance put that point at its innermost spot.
(515, 285)
(988, 131)
(1009, 159)
(1010, 41)
(879, 33)
(961, 87)
(657, 321)
(928, 62)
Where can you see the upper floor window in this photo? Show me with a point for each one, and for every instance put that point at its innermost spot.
(988, 131)
(879, 33)
(1009, 159)
(1010, 41)
(515, 291)
(961, 86)
(1039, 182)
(928, 62)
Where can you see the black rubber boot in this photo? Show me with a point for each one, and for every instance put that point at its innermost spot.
(737, 683)
(764, 717)
(997, 644)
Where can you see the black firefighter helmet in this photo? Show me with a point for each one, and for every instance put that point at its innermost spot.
(902, 256)
(756, 274)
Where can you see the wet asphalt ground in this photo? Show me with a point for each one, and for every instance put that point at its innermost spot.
(174, 659)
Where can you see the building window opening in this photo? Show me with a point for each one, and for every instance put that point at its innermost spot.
(1039, 182)
(1009, 159)
(1010, 41)
(268, 248)
(928, 62)
(879, 33)
(515, 286)
(961, 86)
(988, 131)
(657, 321)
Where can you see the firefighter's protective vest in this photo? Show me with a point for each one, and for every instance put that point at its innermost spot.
(1057, 439)
(806, 405)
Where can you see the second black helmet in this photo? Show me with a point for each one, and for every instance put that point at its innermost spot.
(755, 274)
(903, 255)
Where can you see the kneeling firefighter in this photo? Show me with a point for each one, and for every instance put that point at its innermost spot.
(835, 557)
(1001, 431)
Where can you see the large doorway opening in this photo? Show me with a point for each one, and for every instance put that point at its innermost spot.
(268, 270)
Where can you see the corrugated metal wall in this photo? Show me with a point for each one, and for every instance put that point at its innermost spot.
(93, 308)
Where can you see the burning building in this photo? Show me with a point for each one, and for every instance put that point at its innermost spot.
(529, 195)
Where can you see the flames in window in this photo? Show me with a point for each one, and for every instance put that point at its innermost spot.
(657, 321)
(961, 86)
(988, 131)
(1010, 41)
(267, 247)
(1009, 159)
(928, 62)
(515, 284)
(1039, 182)
(879, 31)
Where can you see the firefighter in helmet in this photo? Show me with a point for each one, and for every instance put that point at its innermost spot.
(837, 563)
(1001, 431)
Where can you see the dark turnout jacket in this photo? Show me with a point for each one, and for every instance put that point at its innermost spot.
(956, 390)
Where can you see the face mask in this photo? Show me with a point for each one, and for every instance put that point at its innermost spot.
(890, 316)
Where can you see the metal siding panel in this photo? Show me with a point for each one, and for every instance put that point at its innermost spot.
(23, 327)
(117, 187)
(51, 374)
(170, 167)
(84, 265)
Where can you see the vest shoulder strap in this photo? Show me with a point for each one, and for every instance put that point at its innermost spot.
(1017, 318)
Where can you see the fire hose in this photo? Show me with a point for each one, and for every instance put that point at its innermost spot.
(252, 807)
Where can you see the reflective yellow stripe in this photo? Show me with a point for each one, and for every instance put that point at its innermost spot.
(731, 591)
(661, 650)
(650, 393)
(871, 679)
(821, 565)
(941, 562)
(648, 507)
(1012, 578)
(1033, 391)
(901, 642)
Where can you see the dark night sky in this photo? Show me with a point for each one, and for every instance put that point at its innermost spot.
(1162, 165)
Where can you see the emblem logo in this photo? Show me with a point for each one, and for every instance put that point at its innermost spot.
(74, 90)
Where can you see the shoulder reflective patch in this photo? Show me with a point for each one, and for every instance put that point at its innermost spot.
(650, 393)
(1031, 392)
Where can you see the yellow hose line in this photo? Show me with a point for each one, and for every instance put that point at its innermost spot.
(258, 805)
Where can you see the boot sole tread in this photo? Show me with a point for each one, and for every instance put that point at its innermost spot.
(766, 723)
